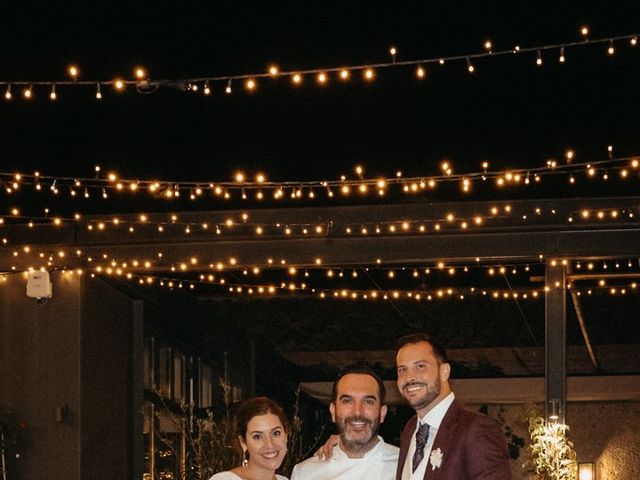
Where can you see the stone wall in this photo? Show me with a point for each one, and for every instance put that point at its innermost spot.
(605, 433)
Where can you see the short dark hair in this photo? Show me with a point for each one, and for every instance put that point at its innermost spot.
(254, 407)
(359, 368)
(438, 350)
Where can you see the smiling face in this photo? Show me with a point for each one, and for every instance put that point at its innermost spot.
(422, 380)
(357, 413)
(266, 442)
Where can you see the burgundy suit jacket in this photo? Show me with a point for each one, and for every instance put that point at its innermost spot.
(473, 447)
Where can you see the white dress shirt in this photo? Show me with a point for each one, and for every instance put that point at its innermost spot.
(379, 463)
(434, 419)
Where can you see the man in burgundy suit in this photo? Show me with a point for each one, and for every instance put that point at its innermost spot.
(444, 440)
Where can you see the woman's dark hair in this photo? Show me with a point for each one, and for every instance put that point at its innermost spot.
(438, 349)
(252, 408)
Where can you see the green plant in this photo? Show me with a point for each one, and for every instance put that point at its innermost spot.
(552, 453)
(206, 442)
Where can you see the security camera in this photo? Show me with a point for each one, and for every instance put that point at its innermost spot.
(39, 286)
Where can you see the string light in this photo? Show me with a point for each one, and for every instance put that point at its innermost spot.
(7, 93)
(250, 79)
(584, 31)
(53, 95)
(470, 66)
(73, 72)
(229, 190)
(140, 73)
(98, 92)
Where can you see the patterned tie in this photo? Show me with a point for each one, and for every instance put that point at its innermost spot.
(421, 439)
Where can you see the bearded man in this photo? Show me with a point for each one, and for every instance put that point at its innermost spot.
(444, 440)
(357, 409)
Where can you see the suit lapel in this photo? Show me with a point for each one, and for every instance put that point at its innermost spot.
(405, 441)
(443, 440)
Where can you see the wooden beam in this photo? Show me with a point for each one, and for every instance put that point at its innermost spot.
(514, 390)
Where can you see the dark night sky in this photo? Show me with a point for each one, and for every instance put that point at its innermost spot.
(510, 112)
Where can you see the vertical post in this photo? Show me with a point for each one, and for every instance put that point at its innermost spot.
(152, 440)
(555, 340)
(137, 389)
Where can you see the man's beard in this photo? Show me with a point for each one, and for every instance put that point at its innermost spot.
(362, 442)
(431, 393)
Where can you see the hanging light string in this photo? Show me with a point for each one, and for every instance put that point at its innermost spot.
(170, 189)
(619, 289)
(496, 216)
(420, 294)
(144, 84)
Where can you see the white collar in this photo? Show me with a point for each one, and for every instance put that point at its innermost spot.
(434, 416)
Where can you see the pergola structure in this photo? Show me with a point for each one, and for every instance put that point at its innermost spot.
(552, 232)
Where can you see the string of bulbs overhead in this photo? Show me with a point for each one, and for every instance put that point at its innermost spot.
(259, 189)
(207, 85)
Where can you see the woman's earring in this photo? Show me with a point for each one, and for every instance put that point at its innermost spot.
(245, 458)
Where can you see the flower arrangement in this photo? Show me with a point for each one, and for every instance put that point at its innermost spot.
(552, 453)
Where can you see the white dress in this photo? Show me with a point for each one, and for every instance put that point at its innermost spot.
(233, 476)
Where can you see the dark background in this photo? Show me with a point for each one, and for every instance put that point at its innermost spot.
(510, 112)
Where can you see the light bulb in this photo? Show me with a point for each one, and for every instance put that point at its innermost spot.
(73, 71)
(470, 67)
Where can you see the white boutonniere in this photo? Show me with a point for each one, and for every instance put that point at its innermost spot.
(436, 458)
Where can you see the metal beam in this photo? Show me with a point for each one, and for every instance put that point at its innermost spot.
(555, 340)
(409, 249)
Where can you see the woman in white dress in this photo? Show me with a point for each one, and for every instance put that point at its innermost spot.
(262, 433)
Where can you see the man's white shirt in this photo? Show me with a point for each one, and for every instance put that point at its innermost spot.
(434, 419)
(379, 463)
